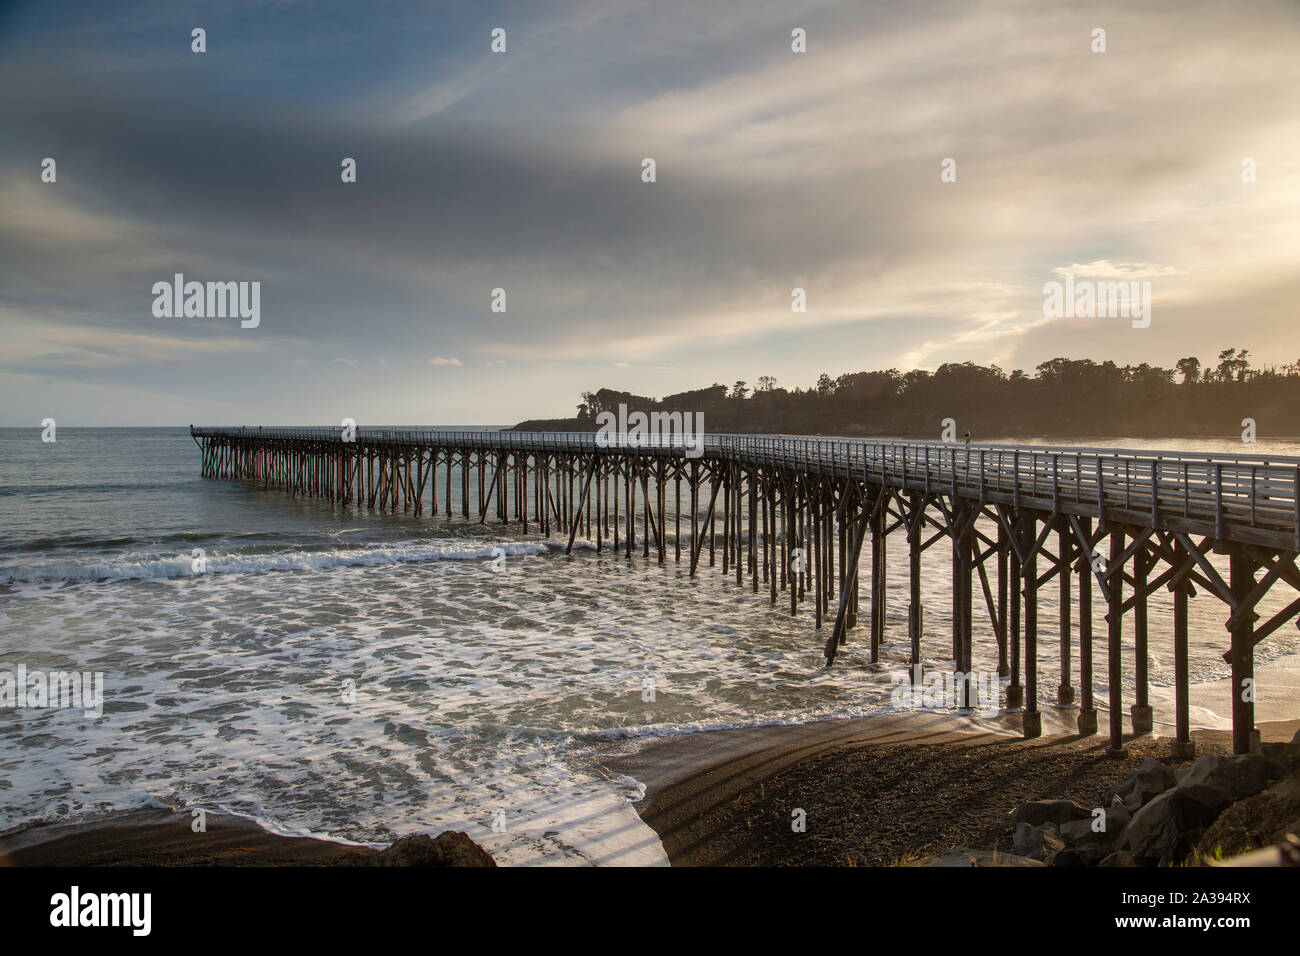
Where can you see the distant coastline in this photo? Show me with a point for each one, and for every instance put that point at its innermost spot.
(1065, 399)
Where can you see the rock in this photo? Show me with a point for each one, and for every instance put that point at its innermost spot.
(1118, 858)
(1091, 845)
(1068, 858)
(1154, 829)
(1117, 818)
(964, 858)
(1148, 781)
(1027, 841)
(1211, 800)
(1077, 832)
(1048, 811)
(1254, 822)
(1185, 845)
(1293, 748)
(1154, 832)
(450, 848)
(1285, 755)
(1235, 777)
(1037, 843)
(1278, 753)
(1052, 843)
(355, 858)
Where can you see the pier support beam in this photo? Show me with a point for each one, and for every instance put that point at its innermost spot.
(1004, 665)
(1245, 738)
(1064, 690)
(1015, 690)
(1183, 748)
(1141, 713)
(1115, 631)
(841, 615)
(1031, 719)
(1087, 721)
(878, 590)
(963, 519)
(915, 614)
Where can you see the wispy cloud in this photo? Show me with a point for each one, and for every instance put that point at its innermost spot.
(1105, 269)
(522, 170)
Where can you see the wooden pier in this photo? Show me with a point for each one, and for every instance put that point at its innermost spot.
(795, 515)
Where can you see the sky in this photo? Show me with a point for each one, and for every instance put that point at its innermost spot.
(523, 170)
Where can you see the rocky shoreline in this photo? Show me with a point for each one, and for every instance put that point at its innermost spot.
(893, 791)
(1219, 806)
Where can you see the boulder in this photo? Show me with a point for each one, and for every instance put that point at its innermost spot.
(1154, 829)
(1148, 781)
(1286, 756)
(1254, 822)
(1092, 845)
(1052, 843)
(1039, 812)
(964, 858)
(1119, 858)
(1037, 843)
(450, 848)
(1185, 845)
(1217, 780)
(1155, 832)
(1117, 818)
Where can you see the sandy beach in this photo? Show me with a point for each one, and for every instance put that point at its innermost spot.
(876, 791)
(889, 789)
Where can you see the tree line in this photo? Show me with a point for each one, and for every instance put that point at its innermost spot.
(1065, 398)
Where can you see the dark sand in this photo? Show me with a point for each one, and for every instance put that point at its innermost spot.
(876, 791)
(160, 838)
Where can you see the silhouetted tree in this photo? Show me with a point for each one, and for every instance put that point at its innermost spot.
(1064, 397)
(1190, 369)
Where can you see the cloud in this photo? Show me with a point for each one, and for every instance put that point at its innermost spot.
(522, 170)
(1105, 269)
(34, 344)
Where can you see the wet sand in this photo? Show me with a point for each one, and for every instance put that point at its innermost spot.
(162, 838)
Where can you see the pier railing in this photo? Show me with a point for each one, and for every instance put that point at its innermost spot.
(1209, 490)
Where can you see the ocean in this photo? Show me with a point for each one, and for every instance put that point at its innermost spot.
(328, 671)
